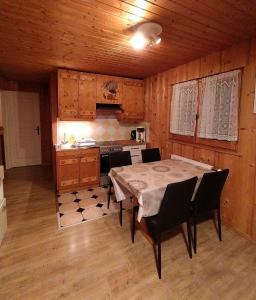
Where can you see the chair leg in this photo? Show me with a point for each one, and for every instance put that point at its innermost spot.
(189, 239)
(159, 255)
(109, 192)
(133, 223)
(195, 234)
(121, 213)
(219, 224)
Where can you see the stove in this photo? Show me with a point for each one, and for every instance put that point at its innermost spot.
(110, 148)
(105, 149)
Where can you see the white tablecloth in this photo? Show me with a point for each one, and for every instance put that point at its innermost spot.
(148, 181)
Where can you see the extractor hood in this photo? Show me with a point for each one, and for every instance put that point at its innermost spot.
(109, 108)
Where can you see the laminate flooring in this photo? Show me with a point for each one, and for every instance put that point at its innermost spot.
(96, 260)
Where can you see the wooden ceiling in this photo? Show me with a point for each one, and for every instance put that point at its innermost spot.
(93, 35)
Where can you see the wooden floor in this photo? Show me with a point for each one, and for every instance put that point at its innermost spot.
(97, 260)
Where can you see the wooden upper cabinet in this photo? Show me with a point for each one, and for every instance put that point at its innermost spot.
(68, 94)
(133, 100)
(87, 96)
(78, 93)
(109, 89)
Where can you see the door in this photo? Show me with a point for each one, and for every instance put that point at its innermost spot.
(21, 121)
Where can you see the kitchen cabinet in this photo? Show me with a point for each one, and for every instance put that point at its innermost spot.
(77, 168)
(133, 100)
(68, 94)
(109, 89)
(87, 96)
(76, 95)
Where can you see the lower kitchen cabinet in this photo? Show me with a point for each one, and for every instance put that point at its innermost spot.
(77, 168)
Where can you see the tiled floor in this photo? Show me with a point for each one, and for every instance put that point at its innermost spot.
(86, 205)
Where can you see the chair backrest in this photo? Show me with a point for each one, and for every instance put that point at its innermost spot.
(119, 159)
(209, 191)
(176, 205)
(149, 155)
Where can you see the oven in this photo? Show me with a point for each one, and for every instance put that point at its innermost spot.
(104, 161)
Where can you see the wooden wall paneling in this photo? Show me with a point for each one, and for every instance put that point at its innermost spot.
(176, 148)
(252, 55)
(166, 114)
(54, 113)
(235, 57)
(229, 196)
(187, 151)
(154, 134)
(239, 195)
(193, 69)
(205, 155)
(210, 64)
(45, 126)
(247, 119)
(161, 109)
(180, 74)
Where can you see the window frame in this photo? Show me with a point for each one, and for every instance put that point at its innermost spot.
(213, 143)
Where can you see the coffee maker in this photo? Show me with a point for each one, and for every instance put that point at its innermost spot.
(140, 134)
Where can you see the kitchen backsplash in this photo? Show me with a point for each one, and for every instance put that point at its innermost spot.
(104, 128)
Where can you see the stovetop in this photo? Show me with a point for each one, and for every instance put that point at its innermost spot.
(106, 147)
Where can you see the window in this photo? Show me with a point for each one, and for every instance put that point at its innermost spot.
(218, 109)
(184, 108)
(215, 100)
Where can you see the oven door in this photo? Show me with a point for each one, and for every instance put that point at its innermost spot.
(104, 164)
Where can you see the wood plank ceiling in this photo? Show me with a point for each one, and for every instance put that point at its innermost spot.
(93, 35)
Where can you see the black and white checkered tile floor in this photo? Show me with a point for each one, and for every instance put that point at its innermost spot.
(85, 205)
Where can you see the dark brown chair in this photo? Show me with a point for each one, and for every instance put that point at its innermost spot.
(175, 209)
(149, 155)
(207, 199)
(118, 159)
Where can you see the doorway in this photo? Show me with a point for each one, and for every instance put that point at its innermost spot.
(21, 122)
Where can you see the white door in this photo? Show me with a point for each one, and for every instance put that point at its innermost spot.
(21, 121)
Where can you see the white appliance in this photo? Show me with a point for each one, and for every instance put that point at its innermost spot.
(141, 135)
(3, 216)
(135, 152)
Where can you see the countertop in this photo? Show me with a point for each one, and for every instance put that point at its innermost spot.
(98, 144)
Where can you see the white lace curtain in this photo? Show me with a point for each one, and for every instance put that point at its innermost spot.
(184, 108)
(219, 99)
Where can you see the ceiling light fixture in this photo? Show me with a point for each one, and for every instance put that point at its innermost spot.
(146, 35)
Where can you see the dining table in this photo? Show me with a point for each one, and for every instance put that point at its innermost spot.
(147, 182)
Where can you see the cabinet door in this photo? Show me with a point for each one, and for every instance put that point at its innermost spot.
(133, 99)
(89, 168)
(68, 94)
(67, 172)
(87, 96)
(109, 89)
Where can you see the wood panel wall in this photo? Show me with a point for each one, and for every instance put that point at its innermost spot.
(239, 196)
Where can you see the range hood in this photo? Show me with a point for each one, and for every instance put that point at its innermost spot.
(109, 108)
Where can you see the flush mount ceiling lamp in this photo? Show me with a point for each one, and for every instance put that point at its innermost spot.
(146, 35)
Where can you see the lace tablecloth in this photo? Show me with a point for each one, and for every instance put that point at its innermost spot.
(148, 181)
